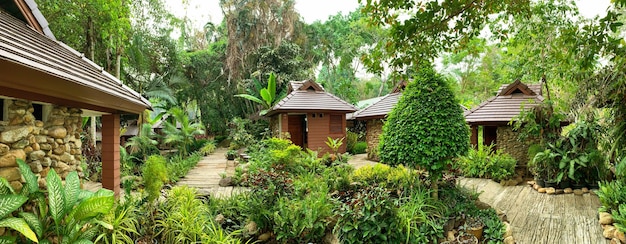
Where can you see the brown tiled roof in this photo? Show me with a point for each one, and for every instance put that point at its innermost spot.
(23, 46)
(506, 105)
(379, 109)
(310, 98)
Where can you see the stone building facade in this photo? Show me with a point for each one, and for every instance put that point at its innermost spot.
(374, 130)
(507, 141)
(50, 142)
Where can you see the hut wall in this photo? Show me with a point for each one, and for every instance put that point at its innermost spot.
(508, 143)
(319, 131)
(374, 129)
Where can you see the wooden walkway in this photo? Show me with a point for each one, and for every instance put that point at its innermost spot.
(207, 174)
(541, 218)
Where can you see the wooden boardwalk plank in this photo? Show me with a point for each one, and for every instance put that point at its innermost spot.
(542, 218)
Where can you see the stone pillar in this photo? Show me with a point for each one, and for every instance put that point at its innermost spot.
(474, 136)
(111, 153)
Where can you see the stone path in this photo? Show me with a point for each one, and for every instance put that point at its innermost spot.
(541, 218)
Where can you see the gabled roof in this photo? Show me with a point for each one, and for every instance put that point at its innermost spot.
(27, 11)
(47, 70)
(310, 96)
(507, 104)
(379, 109)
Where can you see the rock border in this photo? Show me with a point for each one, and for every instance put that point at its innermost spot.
(557, 191)
(609, 231)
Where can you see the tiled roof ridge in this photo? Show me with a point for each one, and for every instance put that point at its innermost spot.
(356, 114)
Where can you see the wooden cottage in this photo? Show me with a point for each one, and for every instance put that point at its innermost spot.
(45, 89)
(309, 115)
(495, 115)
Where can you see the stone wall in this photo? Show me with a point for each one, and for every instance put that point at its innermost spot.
(507, 142)
(372, 136)
(53, 144)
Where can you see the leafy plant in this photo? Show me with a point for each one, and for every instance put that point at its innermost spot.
(426, 128)
(154, 176)
(185, 135)
(123, 224)
(487, 163)
(69, 214)
(9, 203)
(231, 154)
(303, 219)
(619, 216)
(359, 148)
(268, 95)
(144, 143)
(611, 195)
(208, 148)
(419, 212)
(239, 134)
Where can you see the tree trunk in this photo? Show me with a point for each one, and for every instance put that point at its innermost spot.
(91, 39)
(118, 62)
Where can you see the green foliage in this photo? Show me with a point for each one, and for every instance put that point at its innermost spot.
(368, 217)
(619, 216)
(334, 144)
(239, 135)
(268, 95)
(183, 218)
(124, 224)
(303, 219)
(541, 121)
(179, 167)
(436, 27)
(184, 136)
(426, 128)
(154, 174)
(351, 140)
(420, 217)
(484, 162)
(144, 143)
(9, 203)
(611, 195)
(360, 147)
(388, 177)
(208, 148)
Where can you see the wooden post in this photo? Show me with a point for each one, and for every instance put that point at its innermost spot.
(474, 136)
(111, 153)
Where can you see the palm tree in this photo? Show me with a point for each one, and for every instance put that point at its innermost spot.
(185, 135)
(144, 142)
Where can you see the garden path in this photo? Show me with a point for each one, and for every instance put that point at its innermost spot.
(207, 174)
(541, 218)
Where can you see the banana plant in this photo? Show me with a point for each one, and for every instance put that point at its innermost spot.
(268, 95)
(70, 214)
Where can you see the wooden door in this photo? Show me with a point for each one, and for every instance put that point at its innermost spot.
(297, 129)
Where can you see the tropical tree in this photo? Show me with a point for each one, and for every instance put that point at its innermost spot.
(426, 128)
(185, 135)
(267, 95)
(144, 143)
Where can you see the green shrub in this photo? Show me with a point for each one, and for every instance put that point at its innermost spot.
(154, 176)
(185, 219)
(494, 229)
(339, 177)
(368, 216)
(359, 148)
(619, 216)
(386, 176)
(351, 141)
(208, 148)
(418, 215)
(178, 167)
(485, 163)
(611, 195)
(303, 219)
(426, 129)
(123, 221)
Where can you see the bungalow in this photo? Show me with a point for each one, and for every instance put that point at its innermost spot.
(495, 115)
(309, 115)
(45, 89)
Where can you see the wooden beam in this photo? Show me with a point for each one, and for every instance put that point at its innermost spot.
(111, 153)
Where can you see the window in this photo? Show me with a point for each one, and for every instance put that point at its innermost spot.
(336, 124)
(38, 113)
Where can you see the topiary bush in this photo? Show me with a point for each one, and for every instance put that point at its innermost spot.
(426, 129)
